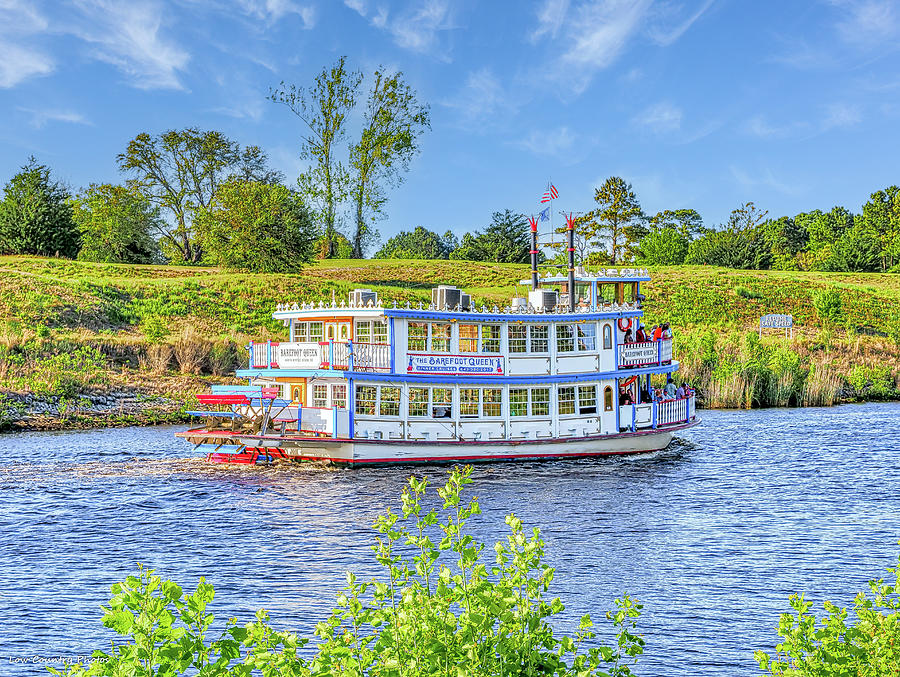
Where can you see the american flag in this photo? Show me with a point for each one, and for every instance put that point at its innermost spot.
(550, 194)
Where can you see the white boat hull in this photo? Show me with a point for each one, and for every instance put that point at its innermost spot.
(384, 452)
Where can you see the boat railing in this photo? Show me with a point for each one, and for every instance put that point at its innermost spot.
(655, 414)
(343, 355)
(645, 353)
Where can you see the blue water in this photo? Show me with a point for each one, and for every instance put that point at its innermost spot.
(712, 535)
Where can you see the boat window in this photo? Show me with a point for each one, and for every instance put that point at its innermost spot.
(320, 396)
(440, 337)
(468, 338)
(390, 401)
(587, 399)
(518, 402)
(469, 402)
(299, 332)
(606, 293)
(517, 335)
(540, 401)
(379, 332)
(566, 400)
(315, 332)
(417, 335)
(330, 332)
(540, 338)
(565, 338)
(492, 401)
(490, 338)
(442, 402)
(607, 337)
(345, 332)
(365, 400)
(363, 331)
(587, 336)
(418, 401)
(607, 399)
(339, 396)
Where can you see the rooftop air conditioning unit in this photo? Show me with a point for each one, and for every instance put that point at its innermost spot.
(543, 299)
(361, 298)
(465, 301)
(445, 296)
(519, 302)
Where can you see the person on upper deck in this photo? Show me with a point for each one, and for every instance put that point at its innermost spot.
(657, 332)
(629, 338)
(680, 394)
(666, 332)
(640, 336)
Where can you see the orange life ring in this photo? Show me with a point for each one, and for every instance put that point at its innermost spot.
(627, 383)
(624, 323)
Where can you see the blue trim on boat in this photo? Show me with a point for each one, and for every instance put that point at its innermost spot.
(427, 314)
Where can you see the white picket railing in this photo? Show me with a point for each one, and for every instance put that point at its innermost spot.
(674, 411)
(366, 356)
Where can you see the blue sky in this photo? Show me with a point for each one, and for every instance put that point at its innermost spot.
(794, 105)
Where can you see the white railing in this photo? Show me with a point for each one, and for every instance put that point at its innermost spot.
(366, 356)
(656, 414)
(674, 411)
(644, 353)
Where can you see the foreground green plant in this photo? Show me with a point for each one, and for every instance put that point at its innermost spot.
(426, 617)
(868, 647)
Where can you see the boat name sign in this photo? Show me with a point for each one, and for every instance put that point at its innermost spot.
(463, 365)
(299, 355)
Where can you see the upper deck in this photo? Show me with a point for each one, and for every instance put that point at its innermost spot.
(451, 338)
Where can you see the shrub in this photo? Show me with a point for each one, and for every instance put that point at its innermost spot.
(191, 351)
(830, 646)
(829, 307)
(426, 617)
(158, 358)
(223, 357)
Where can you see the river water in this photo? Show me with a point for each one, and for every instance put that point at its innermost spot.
(712, 534)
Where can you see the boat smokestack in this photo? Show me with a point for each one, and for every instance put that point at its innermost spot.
(570, 237)
(535, 283)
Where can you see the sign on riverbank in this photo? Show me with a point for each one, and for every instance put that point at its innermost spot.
(776, 321)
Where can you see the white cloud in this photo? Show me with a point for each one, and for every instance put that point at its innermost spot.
(660, 118)
(19, 59)
(481, 98)
(868, 23)
(359, 6)
(841, 115)
(550, 18)
(416, 30)
(759, 126)
(39, 118)
(665, 34)
(765, 179)
(128, 36)
(273, 11)
(20, 63)
(548, 141)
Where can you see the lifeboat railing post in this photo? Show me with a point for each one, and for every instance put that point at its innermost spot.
(633, 417)
(350, 355)
(653, 413)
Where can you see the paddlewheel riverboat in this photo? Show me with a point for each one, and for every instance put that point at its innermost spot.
(363, 382)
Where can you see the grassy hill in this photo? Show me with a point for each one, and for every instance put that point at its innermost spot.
(72, 332)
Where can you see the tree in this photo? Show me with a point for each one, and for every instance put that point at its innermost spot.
(506, 240)
(420, 243)
(615, 223)
(35, 215)
(687, 222)
(252, 165)
(786, 238)
(393, 122)
(856, 251)
(881, 220)
(179, 171)
(255, 226)
(741, 243)
(116, 225)
(664, 247)
(323, 108)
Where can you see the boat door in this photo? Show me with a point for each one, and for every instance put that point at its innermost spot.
(337, 331)
(298, 392)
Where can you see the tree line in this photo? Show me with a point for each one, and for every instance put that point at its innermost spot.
(193, 196)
